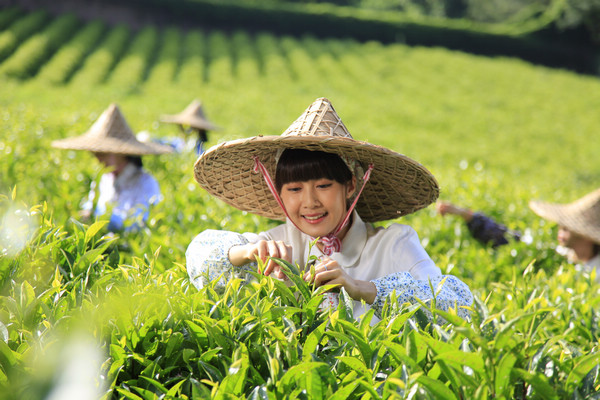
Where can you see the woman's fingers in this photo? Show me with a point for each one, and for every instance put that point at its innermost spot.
(273, 249)
(325, 271)
(285, 253)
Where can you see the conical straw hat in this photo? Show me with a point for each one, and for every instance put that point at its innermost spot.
(193, 115)
(398, 184)
(581, 216)
(111, 134)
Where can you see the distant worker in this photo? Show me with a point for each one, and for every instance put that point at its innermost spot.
(578, 232)
(190, 120)
(127, 190)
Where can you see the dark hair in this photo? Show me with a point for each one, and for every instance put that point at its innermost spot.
(299, 165)
(596, 249)
(135, 160)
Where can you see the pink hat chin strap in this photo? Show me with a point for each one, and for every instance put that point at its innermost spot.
(330, 243)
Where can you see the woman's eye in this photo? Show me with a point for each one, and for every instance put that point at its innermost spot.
(324, 185)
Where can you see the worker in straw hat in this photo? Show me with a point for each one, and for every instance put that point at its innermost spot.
(127, 189)
(328, 188)
(193, 119)
(578, 227)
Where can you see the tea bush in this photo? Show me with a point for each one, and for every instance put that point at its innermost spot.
(70, 55)
(28, 58)
(495, 133)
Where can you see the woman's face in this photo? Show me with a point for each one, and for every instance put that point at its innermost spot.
(317, 206)
(114, 161)
(568, 238)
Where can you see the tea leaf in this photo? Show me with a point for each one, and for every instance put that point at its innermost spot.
(582, 367)
(538, 383)
(357, 366)
(503, 372)
(94, 229)
(462, 358)
(436, 388)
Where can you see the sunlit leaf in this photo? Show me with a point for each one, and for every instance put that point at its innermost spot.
(538, 383)
(437, 389)
(582, 367)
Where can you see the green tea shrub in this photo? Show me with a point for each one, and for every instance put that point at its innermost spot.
(219, 60)
(133, 67)
(8, 15)
(245, 57)
(60, 68)
(274, 64)
(97, 66)
(193, 66)
(164, 69)
(19, 30)
(28, 58)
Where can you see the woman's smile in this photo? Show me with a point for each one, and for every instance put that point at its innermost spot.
(315, 218)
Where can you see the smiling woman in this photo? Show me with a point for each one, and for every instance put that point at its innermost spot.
(327, 187)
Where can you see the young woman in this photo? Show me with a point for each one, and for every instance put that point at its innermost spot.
(328, 187)
(578, 234)
(127, 190)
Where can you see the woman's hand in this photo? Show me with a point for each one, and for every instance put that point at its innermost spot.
(329, 272)
(263, 249)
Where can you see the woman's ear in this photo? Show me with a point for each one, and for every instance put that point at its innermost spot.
(351, 188)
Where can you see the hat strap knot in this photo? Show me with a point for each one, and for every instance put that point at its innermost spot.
(331, 243)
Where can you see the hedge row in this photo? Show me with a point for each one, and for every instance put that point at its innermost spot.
(21, 29)
(70, 56)
(97, 67)
(29, 57)
(334, 21)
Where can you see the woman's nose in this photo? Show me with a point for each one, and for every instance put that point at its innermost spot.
(310, 198)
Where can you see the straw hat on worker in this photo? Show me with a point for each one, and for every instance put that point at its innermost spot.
(127, 188)
(579, 227)
(111, 134)
(193, 116)
(193, 119)
(581, 216)
(397, 185)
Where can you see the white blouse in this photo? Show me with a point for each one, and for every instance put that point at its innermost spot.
(129, 196)
(590, 265)
(392, 258)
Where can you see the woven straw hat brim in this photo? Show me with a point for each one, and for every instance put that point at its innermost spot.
(398, 185)
(194, 122)
(581, 216)
(111, 134)
(111, 145)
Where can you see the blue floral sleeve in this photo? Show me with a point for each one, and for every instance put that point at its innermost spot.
(207, 258)
(452, 293)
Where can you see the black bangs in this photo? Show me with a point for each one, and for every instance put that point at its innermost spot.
(299, 165)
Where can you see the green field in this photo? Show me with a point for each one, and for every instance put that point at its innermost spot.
(496, 132)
